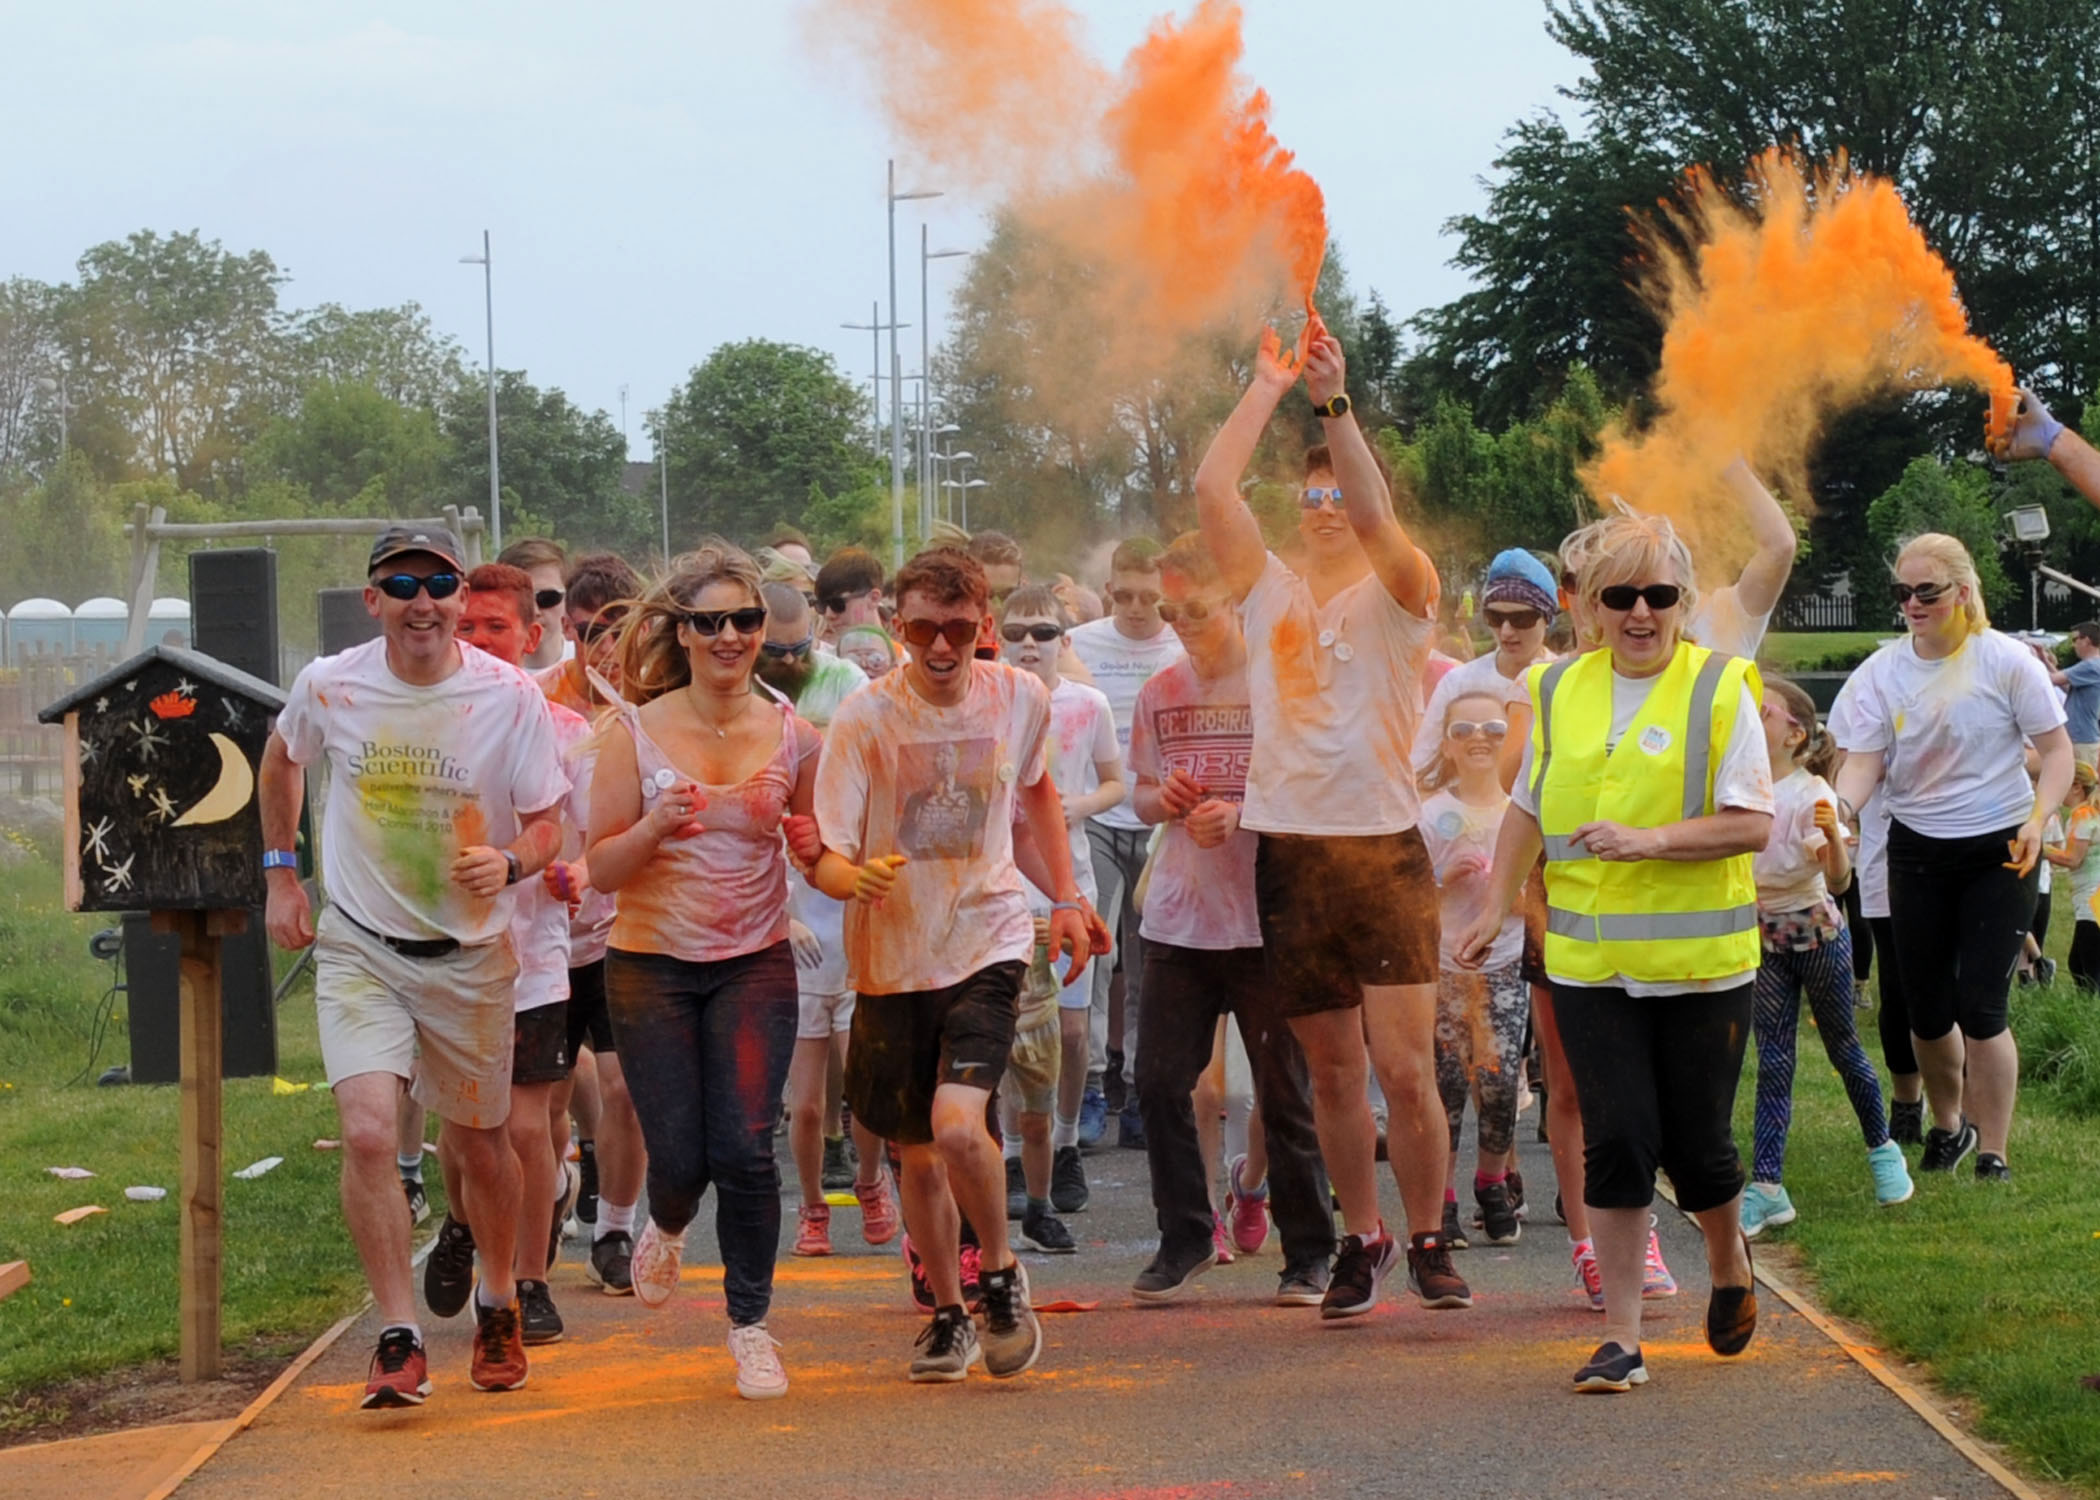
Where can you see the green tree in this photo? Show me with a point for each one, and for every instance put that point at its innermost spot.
(65, 537)
(348, 440)
(560, 466)
(29, 354)
(394, 350)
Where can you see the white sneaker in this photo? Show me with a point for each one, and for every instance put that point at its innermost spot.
(656, 1259)
(759, 1374)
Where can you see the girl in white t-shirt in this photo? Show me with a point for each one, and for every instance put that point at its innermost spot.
(2074, 854)
(1481, 1014)
(1807, 948)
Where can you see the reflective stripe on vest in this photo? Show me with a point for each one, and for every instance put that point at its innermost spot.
(1548, 681)
(1651, 927)
(1699, 734)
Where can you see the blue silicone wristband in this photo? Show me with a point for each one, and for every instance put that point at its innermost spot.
(280, 859)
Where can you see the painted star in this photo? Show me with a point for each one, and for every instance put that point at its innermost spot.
(90, 752)
(119, 877)
(150, 738)
(236, 716)
(137, 784)
(98, 841)
(102, 704)
(163, 807)
(187, 688)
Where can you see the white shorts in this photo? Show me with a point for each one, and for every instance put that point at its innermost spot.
(824, 1015)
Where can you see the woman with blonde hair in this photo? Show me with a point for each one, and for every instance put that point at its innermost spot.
(1940, 721)
(1647, 785)
(693, 782)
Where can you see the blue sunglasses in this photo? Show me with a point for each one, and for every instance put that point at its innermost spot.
(1312, 497)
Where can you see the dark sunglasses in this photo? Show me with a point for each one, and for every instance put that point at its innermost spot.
(790, 651)
(1195, 611)
(1927, 594)
(961, 634)
(747, 621)
(835, 604)
(548, 598)
(1013, 635)
(406, 586)
(1465, 729)
(1621, 597)
(590, 630)
(1516, 619)
(1312, 497)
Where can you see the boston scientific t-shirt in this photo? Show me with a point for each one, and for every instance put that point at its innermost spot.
(1203, 727)
(937, 785)
(1120, 666)
(416, 775)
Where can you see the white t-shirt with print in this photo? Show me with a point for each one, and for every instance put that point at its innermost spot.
(1953, 732)
(416, 775)
(1789, 869)
(1336, 691)
(1082, 732)
(1120, 666)
(904, 776)
(1479, 678)
(1720, 623)
(1460, 838)
(1203, 727)
(541, 929)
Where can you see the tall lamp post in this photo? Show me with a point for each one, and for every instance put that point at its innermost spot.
(488, 289)
(941, 462)
(874, 329)
(964, 486)
(925, 455)
(897, 378)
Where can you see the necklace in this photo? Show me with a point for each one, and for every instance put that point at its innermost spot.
(721, 730)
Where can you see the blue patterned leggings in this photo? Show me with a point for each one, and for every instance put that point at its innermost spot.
(1825, 972)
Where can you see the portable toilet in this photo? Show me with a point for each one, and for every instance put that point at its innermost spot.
(38, 626)
(168, 623)
(98, 624)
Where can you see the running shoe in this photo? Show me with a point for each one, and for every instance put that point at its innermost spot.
(1130, 1133)
(1611, 1368)
(915, 1268)
(583, 1219)
(813, 1229)
(1584, 1254)
(1220, 1242)
(969, 1263)
(611, 1264)
(399, 1375)
(1248, 1213)
(654, 1269)
(1767, 1206)
(1991, 1167)
(1452, 1234)
(1045, 1231)
(564, 1202)
(1944, 1149)
(838, 1166)
(1016, 1188)
(1167, 1276)
(1892, 1184)
(1302, 1286)
(1907, 1122)
(759, 1373)
(499, 1348)
(1498, 1218)
(1432, 1277)
(1093, 1118)
(1517, 1206)
(1731, 1314)
(418, 1204)
(878, 1209)
(1012, 1337)
(2045, 971)
(1656, 1280)
(947, 1348)
(1360, 1269)
(1068, 1190)
(448, 1276)
(537, 1314)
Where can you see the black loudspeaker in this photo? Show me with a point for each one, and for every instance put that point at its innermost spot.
(345, 621)
(233, 608)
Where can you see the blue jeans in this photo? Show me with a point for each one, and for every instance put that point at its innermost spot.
(705, 1047)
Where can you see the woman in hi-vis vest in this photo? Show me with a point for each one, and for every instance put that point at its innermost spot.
(1648, 787)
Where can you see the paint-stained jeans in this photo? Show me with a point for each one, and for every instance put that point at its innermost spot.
(705, 1047)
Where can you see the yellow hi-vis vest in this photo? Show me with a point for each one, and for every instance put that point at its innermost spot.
(1652, 921)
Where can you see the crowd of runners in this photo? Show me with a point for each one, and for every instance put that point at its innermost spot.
(628, 878)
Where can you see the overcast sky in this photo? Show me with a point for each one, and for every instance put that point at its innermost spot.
(658, 177)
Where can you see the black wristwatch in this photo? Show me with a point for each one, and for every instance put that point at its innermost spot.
(517, 868)
(1336, 405)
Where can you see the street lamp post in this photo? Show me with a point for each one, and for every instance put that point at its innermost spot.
(964, 486)
(925, 461)
(942, 461)
(874, 328)
(897, 378)
(488, 287)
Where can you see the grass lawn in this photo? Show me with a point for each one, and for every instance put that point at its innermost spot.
(1805, 651)
(105, 1289)
(1990, 1286)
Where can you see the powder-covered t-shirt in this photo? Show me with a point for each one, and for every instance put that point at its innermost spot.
(1336, 690)
(1953, 732)
(541, 929)
(1478, 677)
(1202, 726)
(936, 784)
(831, 678)
(1460, 837)
(1789, 868)
(2085, 877)
(1720, 623)
(1120, 666)
(416, 775)
(1082, 733)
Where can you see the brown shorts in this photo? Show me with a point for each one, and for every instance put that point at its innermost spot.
(1033, 1066)
(540, 1053)
(1532, 902)
(905, 1046)
(1341, 913)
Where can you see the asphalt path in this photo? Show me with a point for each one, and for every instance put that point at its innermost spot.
(1222, 1395)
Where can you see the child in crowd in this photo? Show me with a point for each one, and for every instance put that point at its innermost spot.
(1806, 947)
(2081, 822)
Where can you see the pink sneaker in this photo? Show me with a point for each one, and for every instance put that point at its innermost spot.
(1220, 1241)
(1656, 1280)
(1247, 1212)
(970, 1263)
(878, 1210)
(1584, 1254)
(813, 1232)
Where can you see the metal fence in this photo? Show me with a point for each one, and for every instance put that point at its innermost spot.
(1818, 612)
(31, 753)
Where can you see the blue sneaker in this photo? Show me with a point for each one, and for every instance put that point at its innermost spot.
(1892, 1182)
(1769, 1207)
(1093, 1118)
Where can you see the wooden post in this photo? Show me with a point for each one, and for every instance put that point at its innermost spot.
(202, 1176)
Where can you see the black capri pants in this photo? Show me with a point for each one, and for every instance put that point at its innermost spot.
(1960, 920)
(1892, 1016)
(1655, 1078)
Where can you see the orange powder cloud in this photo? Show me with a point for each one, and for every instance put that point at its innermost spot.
(1808, 293)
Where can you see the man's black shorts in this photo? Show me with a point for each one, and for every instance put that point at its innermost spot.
(905, 1046)
(541, 1053)
(1339, 913)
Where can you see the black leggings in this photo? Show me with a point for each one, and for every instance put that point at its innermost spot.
(1893, 1016)
(1862, 942)
(1655, 1079)
(1961, 920)
(2039, 928)
(2085, 954)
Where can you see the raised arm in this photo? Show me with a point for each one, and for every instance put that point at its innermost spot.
(1401, 566)
(1764, 577)
(2037, 434)
(1229, 528)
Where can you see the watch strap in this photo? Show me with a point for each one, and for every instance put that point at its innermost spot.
(516, 868)
(280, 859)
(1336, 405)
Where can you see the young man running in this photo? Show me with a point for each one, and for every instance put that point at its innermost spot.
(445, 790)
(1347, 902)
(915, 802)
(544, 562)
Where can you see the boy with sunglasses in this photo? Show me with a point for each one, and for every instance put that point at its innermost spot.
(547, 565)
(445, 790)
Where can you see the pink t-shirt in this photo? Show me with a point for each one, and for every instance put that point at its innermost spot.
(1202, 726)
(723, 892)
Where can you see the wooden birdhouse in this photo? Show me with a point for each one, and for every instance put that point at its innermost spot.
(160, 768)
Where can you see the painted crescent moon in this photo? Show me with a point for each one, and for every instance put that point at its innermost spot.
(230, 793)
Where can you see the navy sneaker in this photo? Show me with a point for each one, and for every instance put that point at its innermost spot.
(1093, 1118)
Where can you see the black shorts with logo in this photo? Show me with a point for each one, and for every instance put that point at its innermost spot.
(1338, 913)
(589, 1020)
(540, 1053)
(905, 1046)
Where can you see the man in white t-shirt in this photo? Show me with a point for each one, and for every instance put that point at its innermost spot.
(915, 807)
(1121, 652)
(1347, 901)
(445, 790)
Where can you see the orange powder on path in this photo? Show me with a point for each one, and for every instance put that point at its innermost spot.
(1808, 293)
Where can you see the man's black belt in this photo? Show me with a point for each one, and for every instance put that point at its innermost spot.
(408, 947)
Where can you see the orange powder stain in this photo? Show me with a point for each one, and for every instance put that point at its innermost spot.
(470, 825)
(1805, 291)
(1291, 661)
